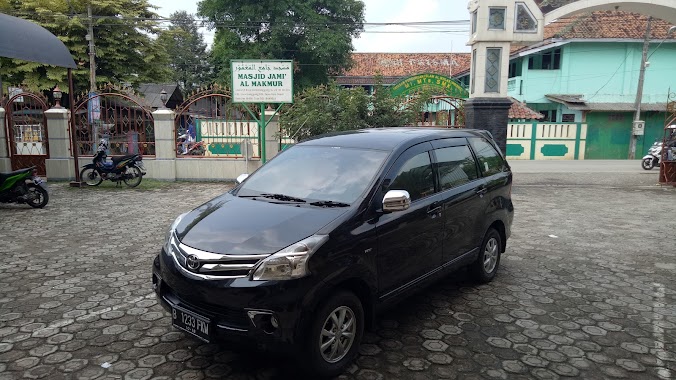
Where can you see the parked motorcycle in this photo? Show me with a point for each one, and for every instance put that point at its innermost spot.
(128, 169)
(23, 186)
(652, 159)
(193, 148)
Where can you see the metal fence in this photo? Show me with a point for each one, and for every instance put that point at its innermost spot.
(120, 119)
(208, 124)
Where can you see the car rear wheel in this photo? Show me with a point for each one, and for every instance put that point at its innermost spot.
(336, 332)
(488, 261)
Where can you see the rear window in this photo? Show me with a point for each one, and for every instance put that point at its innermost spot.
(490, 161)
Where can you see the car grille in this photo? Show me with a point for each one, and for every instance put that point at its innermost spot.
(213, 265)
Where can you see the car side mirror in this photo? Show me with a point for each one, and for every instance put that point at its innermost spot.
(396, 200)
(242, 177)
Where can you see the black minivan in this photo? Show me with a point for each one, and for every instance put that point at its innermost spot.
(303, 254)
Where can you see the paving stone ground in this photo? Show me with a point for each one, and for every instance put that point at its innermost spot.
(587, 289)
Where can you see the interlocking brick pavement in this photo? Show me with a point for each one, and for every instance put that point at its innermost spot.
(586, 290)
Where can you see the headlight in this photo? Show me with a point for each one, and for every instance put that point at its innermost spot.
(290, 262)
(167, 235)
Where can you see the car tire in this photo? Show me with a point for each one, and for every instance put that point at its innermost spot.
(331, 361)
(486, 265)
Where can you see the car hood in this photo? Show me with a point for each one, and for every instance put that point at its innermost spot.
(244, 226)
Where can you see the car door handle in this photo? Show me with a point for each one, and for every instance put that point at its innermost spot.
(482, 191)
(434, 209)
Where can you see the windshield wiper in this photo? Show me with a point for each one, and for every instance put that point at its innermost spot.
(283, 197)
(329, 204)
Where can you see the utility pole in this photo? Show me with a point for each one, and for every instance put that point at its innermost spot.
(92, 54)
(637, 124)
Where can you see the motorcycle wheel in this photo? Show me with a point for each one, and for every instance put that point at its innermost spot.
(91, 177)
(647, 164)
(199, 151)
(38, 196)
(133, 176)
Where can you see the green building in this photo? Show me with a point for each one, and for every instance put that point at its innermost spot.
(583, 79)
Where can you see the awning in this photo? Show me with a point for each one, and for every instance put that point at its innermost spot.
(576, 102)
(22, 39)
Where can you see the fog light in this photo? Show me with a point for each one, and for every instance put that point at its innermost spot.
(273, 322)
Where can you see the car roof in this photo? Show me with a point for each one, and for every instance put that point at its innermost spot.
(387, 139)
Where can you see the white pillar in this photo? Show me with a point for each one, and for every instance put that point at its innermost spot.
(60, 164)
(164, 166)
(5, 163)
(271, 135)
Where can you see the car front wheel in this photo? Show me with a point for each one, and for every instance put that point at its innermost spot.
(337, 329)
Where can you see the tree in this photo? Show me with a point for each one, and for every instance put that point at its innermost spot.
(125, 50)
(316, 35)
(188, 57)
(323, 109)
(331, 108)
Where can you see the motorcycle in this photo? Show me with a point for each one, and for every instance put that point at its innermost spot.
(23, 186)
(128, 169)
(194, 148)
(652, 159)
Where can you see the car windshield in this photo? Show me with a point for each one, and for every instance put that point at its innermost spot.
(317, 173)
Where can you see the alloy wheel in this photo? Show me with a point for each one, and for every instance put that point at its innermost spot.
(490, 256)
(338, 334)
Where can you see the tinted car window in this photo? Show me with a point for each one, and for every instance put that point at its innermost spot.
(317, 173)
(416, 177)
(490, 160)
(456, 166)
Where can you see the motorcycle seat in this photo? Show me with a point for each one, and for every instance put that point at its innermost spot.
(4, 176)
(117, 159)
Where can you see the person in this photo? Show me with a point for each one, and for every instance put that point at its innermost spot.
(190, 137)
(101, 154)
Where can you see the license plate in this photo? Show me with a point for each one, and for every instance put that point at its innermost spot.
(140, 165)
(37, 180)
(191, 323)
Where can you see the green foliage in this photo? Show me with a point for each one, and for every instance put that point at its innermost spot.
(323, 109)
(316, 35)
(125, 50)
(188, 57)
(386, 111)
(331, 108)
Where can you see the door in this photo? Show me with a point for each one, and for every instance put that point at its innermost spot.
(27, 141)
(409, 244)
(461, 190)
(496, 179)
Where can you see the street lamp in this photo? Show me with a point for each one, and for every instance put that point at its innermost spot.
(57, 97)
(164, 98)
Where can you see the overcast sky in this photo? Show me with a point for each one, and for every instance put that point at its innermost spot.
(453, 38)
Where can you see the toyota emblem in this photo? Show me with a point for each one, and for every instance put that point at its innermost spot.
(192, 262)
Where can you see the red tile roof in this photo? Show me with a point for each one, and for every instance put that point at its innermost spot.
(407, 64)
(606, 24)
(519, 110)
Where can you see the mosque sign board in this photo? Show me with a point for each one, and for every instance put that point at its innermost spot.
(262, 81)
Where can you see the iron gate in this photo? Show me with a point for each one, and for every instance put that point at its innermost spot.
(26, 123)
(121, 120)
(208, 124)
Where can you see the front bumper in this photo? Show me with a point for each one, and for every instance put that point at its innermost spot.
(260, 314)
